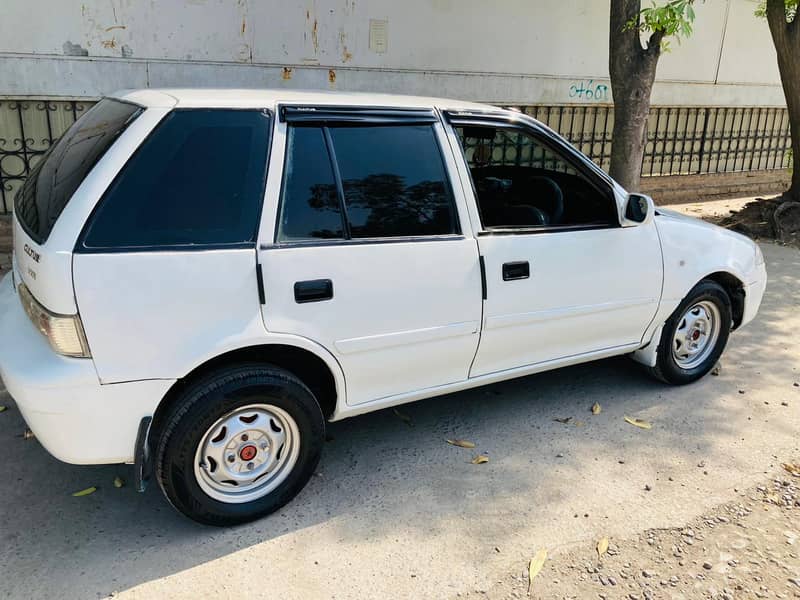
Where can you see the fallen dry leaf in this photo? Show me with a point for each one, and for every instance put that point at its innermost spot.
(404, 418)
(535, 566)
(596, 408)
(119, 482)
(86, 492)
(579, 423)
(602, 547)
(461, 443)
(564, 420)
(480, 459)
(792, 468)
(638, 422)
(27, 435)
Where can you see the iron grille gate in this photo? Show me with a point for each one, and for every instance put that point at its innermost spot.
(28, 128)
(679, 140)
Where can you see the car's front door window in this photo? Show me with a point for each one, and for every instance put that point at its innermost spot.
(520, 182)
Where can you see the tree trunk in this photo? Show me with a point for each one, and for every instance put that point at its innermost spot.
(633, 71)
(787, 46)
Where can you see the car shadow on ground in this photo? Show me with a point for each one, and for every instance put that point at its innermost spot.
(383, 477)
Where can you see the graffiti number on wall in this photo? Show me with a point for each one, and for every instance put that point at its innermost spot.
(589, 90)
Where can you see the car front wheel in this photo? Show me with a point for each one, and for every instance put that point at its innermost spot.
(239, 444)
(695, 335)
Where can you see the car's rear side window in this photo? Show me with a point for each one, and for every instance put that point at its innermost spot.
(197, 181)
(57, 175)
(392, 183)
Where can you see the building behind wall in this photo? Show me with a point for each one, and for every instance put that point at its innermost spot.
(718, 120)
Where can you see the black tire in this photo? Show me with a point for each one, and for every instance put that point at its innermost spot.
(201, 405)
(667, 368)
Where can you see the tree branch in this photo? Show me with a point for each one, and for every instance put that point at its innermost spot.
(654, 43)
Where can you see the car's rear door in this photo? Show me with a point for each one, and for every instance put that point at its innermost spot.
(564, 279)
(368, 251)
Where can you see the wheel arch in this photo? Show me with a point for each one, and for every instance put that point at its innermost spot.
(324, 380)
(735, 290)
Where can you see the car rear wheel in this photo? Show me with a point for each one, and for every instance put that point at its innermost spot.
(239, 444)
(695, 335)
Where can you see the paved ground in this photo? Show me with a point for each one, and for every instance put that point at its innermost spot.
(396, 512)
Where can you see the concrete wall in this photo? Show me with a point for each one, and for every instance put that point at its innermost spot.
(683, 189)
(524, 51)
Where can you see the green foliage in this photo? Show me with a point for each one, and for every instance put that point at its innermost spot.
(671, 19)
(791, 9)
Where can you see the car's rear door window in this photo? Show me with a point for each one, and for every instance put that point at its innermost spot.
(394, 181)
(365, 181)
(197, 181)
(57, 175)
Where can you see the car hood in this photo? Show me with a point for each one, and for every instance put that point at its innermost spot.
(674, 214)
(666, 213)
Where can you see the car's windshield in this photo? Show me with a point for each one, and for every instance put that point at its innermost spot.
(64, 166)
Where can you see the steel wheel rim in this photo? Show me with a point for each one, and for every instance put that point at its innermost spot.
(696, 334)
(247, 453)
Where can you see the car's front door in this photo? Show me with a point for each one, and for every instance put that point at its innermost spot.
(369, 251)
(563, 278)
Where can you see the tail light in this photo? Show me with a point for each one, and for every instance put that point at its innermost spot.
(64, 332)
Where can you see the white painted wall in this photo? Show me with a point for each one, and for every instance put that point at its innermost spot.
(530, 51)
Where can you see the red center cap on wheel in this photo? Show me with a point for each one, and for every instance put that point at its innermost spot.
(248, 453)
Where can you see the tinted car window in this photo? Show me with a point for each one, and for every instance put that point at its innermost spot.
(394, 181)
(198, 179)
(310, 204)
(520, 182)
(54, 179)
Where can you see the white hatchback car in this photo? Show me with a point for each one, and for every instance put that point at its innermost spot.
(202, 278)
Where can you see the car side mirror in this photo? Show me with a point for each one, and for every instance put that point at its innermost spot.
(639, 209)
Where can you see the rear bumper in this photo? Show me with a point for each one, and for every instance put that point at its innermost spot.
(75, 418)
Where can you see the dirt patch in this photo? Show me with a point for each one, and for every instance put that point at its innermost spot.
(765, 219)
(747, 548)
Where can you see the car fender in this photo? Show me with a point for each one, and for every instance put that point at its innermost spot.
(692, 250)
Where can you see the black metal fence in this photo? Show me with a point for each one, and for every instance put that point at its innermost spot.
(682, 140)
(679, 140)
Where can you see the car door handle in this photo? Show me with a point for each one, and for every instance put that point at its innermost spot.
(516, 270)
(315, 290)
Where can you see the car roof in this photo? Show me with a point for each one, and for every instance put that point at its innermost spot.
(268, 98)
